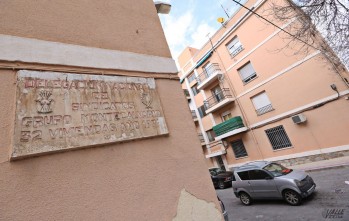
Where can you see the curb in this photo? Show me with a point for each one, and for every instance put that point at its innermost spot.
(325, 167)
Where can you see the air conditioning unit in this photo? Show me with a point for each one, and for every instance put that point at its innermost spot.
(299, 118)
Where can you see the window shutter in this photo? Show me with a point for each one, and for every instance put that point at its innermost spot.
(261, 101)
(246, 71)
(235, 43)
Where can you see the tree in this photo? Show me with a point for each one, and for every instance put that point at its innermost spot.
(330, 18)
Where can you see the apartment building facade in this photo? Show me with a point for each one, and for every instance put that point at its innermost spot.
(88, 127)
(253, 98)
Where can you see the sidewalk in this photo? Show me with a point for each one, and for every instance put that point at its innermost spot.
(323, 164)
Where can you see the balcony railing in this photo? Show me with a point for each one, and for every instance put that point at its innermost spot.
(201, 137)
(228, 126)
(264, 109)
(216, 149)
(193, 114)
(218, 97)
(209, 71)
(186, 93)
(191, 78)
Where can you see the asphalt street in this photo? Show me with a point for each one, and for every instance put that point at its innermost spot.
(331, 193)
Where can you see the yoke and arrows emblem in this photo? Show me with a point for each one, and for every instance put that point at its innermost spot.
(146, 99)
(44, 102)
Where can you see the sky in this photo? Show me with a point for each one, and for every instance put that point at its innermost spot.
(190, 21)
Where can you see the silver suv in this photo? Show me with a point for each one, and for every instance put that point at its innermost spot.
(268, 180)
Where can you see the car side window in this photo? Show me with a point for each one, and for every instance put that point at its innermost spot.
(258, 175)
(243, 175)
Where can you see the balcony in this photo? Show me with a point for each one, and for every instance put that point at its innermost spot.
(202, 140)
(211, 74)
(216, 148)
(194, 116)
(186, 93)
(218, 101)
(229, 128)
(264, 109)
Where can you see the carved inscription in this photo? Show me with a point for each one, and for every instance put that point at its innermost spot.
(58, 111)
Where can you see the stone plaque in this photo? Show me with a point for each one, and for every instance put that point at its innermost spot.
(61, 111)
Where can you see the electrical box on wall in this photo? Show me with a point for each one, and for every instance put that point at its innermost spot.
(299, 118)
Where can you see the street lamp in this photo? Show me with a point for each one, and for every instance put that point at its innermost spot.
(162, 7)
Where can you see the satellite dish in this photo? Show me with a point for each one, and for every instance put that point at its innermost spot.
(220, 20)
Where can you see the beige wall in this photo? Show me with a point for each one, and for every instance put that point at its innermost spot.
(310, 82)
(118, 25)
(139, 180)
(323, 129)
(185, 56)
(161, 178)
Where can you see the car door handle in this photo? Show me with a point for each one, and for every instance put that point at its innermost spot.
(249, 182)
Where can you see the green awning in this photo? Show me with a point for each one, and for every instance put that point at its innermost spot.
(229, 125)
(203, 59)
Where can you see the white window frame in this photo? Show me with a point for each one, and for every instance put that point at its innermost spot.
(225, 114)
(234, 46)
(247, 72)
(262, 103)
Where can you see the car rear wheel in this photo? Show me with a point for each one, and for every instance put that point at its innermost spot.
(221, 185)
(245, 199)
(292, 197)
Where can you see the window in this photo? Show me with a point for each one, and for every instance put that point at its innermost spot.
(217, 94)
(208, 69)
(278, 138)
(191, 77)
(258, 175)
(211, 135)
(220, 162)
(247, 73)
(195, 90)
(234, 46)
(226, 116)
(262, 103)
(239, 149)
(243, 175)
(202, 111)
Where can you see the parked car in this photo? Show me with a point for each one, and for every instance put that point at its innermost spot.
(224, 212)
(221, 178)
(268, 180)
